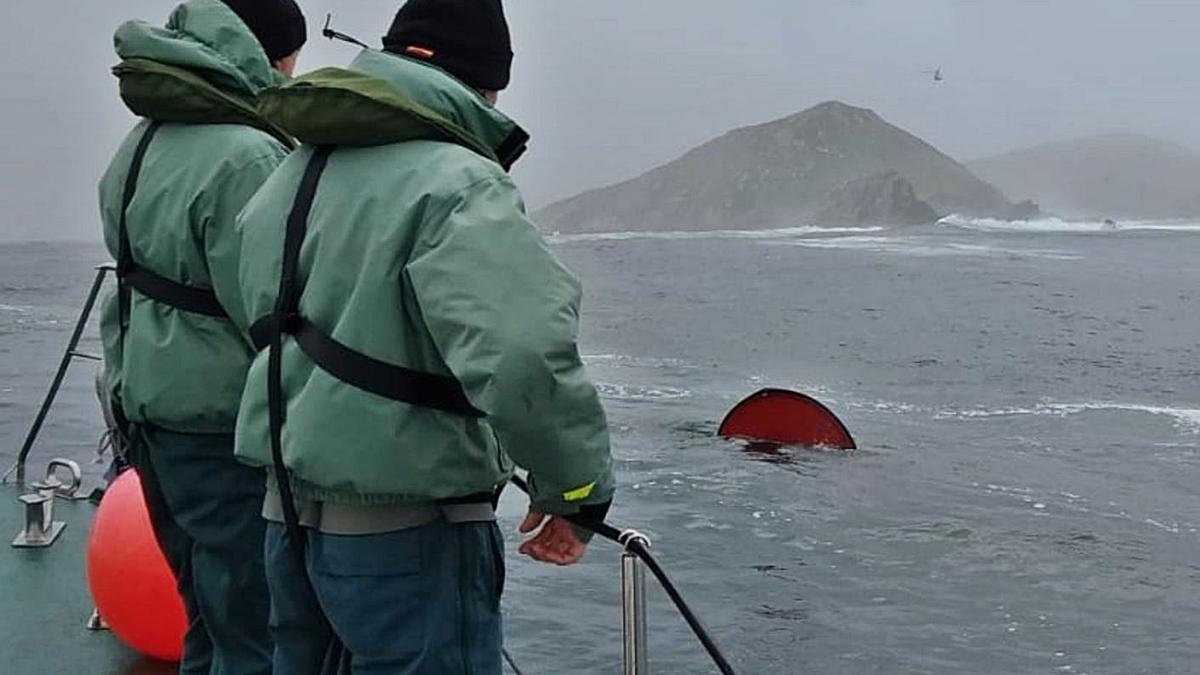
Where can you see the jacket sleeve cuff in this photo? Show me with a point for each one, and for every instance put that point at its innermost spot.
(588, 519)
(571, 501)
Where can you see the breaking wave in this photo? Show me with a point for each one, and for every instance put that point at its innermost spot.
(625, 360)
(782, 233)
(635, 393)
(923, 247)
(1060, 226)
(1187, 419)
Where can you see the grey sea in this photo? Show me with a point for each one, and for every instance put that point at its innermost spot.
(1026, 398)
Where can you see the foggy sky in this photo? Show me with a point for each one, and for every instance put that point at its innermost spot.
(612, 88)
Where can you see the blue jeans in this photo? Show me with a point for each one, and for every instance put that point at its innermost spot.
(421, 601)
(205, 509)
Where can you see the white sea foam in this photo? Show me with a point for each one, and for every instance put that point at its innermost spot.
(634, 361)
(922, 247)
(782, 233)
(629, 392)
(1187, 419)
(1060, 226)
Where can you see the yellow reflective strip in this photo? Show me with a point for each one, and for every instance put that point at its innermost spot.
(579, 493)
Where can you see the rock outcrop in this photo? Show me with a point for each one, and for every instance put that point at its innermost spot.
(880, 199)
(778, 174)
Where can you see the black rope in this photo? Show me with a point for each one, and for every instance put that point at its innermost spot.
(638, 549)
(690, 616)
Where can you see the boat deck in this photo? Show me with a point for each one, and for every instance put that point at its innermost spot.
(45, 605)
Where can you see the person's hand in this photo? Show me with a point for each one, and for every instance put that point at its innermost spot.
(556, 543)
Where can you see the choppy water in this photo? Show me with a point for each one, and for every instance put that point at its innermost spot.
(1028, 401)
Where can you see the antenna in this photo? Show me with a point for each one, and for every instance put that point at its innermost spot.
(335, 35)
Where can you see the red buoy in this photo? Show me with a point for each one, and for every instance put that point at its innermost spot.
(134, 588)
(786, 418)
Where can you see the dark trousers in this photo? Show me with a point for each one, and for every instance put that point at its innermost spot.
(205, 509)
(421, 601)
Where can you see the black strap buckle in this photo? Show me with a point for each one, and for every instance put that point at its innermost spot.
(291, 323)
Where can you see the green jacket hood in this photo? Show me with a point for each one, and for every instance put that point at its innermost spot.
(205, 66)
(207, 38)
(384, 98)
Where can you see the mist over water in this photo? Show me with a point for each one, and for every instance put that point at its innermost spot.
(1027, 400)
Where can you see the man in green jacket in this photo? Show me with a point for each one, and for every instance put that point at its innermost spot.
(174, 333)
(418, 338)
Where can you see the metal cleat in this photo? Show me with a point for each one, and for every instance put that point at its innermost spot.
(41, 530)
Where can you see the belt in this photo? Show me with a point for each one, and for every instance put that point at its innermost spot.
(356, 520)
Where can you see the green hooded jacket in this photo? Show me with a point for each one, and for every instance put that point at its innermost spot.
(419, 254)
(200, 76)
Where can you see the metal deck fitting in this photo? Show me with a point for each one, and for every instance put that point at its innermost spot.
(41, 530)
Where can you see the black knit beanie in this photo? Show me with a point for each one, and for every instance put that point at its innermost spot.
(278, 24)
(467, 38)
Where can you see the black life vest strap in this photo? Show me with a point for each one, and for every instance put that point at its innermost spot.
(390, 381)
(131, 276)
(417, 388)
(285, 304)
(187, 298)
(354, 368)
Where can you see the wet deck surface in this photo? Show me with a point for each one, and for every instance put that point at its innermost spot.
(44, 603)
